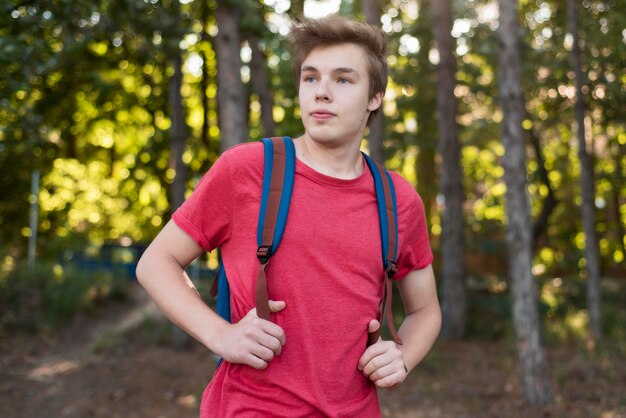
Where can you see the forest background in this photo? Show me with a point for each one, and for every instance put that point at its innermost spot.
(115, 109)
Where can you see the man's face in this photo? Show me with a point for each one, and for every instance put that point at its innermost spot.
(334, 90)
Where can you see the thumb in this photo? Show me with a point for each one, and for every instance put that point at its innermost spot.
(373, 326)
(277, 306)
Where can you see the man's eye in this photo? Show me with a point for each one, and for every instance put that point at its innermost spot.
(344, 81)
(309, 79)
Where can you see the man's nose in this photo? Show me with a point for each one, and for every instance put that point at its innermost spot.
(322, 93)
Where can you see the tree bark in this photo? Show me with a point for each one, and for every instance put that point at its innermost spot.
(532, 362)
(178, 134)
(371, 10)
(231, 92)
(617, 197)
(206, 78)
(454, 300)
(426, 165)
(549, 203)
(587, 185)
(260, 85)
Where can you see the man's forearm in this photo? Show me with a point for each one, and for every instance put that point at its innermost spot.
(173, 292)
(418, 333)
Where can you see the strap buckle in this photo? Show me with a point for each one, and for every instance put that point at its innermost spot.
(392, 268)
(263, 253)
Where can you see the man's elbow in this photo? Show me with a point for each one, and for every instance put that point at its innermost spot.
(437, 319)
(141, 270)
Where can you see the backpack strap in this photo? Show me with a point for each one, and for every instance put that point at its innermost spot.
(388, 220)
(278, 177)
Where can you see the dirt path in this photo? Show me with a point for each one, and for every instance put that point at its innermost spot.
(97, 367)
(120, 363)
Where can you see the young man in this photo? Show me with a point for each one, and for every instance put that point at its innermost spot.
(324, 282)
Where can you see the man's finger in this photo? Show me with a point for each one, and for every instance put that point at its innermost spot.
(381, 372)
(274, 330)
(263, 353)
(389, 382)
(271, 342)
(277, 306)
(373, 326)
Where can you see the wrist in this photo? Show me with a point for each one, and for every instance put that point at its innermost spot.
(215, 335)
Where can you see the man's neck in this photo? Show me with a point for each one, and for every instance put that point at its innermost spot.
(343, 161)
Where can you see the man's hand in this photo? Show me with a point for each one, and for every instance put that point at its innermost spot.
(252, 341)
(383, 362)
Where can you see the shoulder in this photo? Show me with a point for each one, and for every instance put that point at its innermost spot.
(404, 189)
(408, 199)
(245, 154)
(240, 161)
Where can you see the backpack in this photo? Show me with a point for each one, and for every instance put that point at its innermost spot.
(278, 179)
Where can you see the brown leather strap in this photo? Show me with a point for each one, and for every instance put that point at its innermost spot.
(276, 191)
(262, 303)
(387, 313)
(269, 226)
(372, 337)
(213, 291)
(386, 308)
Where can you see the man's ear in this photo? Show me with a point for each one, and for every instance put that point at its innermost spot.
(375, 101)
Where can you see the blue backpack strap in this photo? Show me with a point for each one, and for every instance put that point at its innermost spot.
(388, 221)
(278, 178)
(276, 195)
(223, 296)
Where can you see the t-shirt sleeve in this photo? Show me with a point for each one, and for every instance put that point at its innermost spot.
(414, 252)
(206, 215)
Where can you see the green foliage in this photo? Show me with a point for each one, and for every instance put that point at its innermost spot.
(489, 314)
(41, 297)
(84, 99)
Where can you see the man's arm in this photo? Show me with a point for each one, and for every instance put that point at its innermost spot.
(384, 362)
(252, 341)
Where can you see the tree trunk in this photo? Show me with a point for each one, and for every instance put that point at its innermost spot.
(371, 10)
(260, 85)
(426, 138)
(178, 135)
(206, 78)
(532, 363)
(586, 185)
(617, 197)
(550, 202)
(454, 300)
(231, 92)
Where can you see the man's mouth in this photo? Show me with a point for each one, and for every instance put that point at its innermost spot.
(322, 114)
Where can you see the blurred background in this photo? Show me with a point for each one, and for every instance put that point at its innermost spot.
(111, 111)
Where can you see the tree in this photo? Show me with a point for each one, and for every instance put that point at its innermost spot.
(260, 85)
(534, 375)
(454, 299)
(255, 31)
(231, 92)
(371, 10)
(587, 185)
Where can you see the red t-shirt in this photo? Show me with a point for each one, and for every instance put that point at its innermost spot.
(328, 270)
